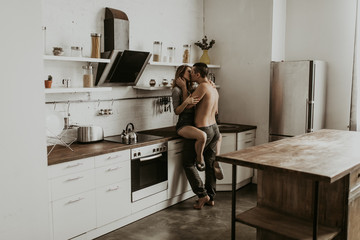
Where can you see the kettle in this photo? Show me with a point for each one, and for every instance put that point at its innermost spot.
(128, 135)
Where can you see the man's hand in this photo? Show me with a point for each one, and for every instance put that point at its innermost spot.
(191, 100)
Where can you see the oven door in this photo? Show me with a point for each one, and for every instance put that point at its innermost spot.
(148, 176)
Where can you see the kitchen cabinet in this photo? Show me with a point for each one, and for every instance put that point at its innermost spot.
(230, 143)
(89, 193)
(112, 187)
(177, 181)
(72, 198)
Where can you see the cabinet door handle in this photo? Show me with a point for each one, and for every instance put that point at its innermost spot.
(74, 165)
(113, 189)
(73, 179)
(112, 169)
(75, 200)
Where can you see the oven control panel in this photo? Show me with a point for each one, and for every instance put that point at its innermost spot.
(148, 150)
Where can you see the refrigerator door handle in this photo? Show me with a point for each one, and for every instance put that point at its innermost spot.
(309, 119)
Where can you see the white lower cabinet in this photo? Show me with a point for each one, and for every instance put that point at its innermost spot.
(112, 202)
(232, 142)
(177, 181)
(89, 193)
(74, 215)
(112, 187)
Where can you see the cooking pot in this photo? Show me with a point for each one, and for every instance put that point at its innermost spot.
(86, 134)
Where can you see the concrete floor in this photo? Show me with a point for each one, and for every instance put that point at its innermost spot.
(183, 222)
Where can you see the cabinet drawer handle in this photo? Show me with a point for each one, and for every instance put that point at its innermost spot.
(73, 179)
(112, 169)
(248, 141)
(248, 133)
(178, 142)
(179, 152)
(75, 200)
(74, 165)
(112, 157)
(113, 189)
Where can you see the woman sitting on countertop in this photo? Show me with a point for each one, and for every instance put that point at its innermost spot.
(182, 88)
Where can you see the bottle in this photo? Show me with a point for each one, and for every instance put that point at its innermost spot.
(157, 47)
(88, 79)
(171, 54)
(186, 53)
(95, 45)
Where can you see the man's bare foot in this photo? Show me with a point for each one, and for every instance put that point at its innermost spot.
(208, 203)
(201, 202)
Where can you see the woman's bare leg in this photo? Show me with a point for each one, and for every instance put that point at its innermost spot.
(191, 132)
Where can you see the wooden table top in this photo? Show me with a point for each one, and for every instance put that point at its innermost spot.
(324, 155)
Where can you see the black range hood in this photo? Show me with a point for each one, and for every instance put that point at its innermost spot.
(126, 66)
(124, 69)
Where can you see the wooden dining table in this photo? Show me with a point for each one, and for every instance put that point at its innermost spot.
(308, 186)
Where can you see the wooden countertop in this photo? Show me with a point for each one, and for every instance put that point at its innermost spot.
(62, 154)
(325, 155)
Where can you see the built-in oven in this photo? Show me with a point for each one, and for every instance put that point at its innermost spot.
(148, 170)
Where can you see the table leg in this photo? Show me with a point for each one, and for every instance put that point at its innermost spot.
(233, 205)
(316, 209)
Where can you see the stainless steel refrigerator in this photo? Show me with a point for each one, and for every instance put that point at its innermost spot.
(297, 98)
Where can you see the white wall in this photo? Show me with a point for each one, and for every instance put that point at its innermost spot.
(324, 30)
(23, 164)
(278, 30)
(242, 30)
(69, 23)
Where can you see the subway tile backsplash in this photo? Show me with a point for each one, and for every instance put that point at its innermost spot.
(143, 113)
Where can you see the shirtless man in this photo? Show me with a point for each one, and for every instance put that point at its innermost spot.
(204, 120)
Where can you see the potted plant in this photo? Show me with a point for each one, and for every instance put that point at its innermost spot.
(48, 82)
(205, 46)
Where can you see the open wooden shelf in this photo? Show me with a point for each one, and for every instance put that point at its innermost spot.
(285, 225)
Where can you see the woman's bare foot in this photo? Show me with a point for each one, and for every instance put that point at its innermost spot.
(200, 165)
(201, 202)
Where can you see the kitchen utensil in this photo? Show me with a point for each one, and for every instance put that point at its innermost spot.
(86, 134)
(129, 135)
(54, 123)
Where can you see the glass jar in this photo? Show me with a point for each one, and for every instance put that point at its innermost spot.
(88, 78)
(157, 47)
(95, 45)
(76, 51)
(171, 54)
(186, 53)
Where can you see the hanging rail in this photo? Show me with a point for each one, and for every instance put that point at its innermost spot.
(103, 100)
